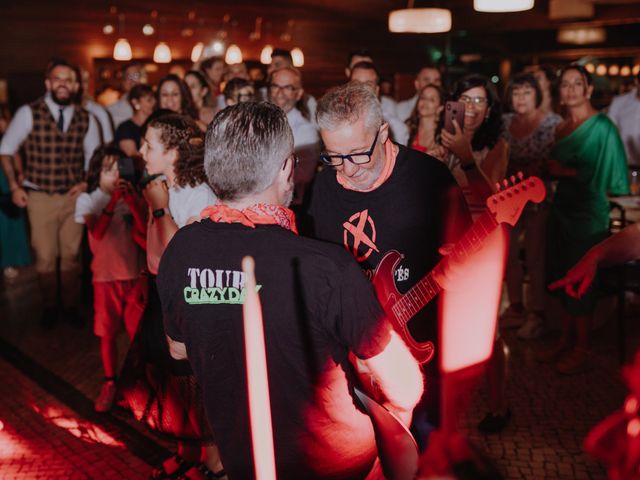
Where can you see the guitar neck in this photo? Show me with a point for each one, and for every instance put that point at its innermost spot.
(427, 288)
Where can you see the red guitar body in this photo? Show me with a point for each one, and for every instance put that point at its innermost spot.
(387, 293)
(502, 207)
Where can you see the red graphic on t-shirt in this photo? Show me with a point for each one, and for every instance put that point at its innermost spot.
(362, 230)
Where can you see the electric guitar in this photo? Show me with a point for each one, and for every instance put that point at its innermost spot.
(503, 207)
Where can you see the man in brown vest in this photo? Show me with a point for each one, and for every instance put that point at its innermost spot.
(58, 139)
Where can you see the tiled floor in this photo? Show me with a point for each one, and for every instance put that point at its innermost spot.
(49, 430)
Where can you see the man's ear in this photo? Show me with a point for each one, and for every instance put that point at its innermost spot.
(384, 133)
(347, 72)
(299, 94)
(47, 84)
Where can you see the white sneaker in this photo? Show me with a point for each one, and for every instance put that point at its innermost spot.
(106, 397)
(533, 327)
(512, 318)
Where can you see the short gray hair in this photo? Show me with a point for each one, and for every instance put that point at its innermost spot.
(245, 148)
(347, 104)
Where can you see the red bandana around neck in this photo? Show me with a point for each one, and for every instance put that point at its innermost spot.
(258, 214)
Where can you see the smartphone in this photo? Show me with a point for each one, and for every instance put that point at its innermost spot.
(453, 110)
(127, 170)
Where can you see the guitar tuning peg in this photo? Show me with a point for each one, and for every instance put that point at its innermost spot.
(520, 175)
(498, 187)
(505, 182)
(512, 179)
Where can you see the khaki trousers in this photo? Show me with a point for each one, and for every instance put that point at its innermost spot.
(54, 233)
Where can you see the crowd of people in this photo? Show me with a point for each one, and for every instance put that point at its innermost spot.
(177, 182)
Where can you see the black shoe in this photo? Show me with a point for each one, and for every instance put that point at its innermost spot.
(72, 315)
(49, 318)
(494, 423)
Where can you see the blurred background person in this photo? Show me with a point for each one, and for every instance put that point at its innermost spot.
(238, 90)
(427, 75)
(174, 94)
(625, 113)
(423, 121)
(530, 132)
(132, 75)
(199, 92)
(129, 134)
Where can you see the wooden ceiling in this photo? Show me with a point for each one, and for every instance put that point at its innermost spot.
(34, 30)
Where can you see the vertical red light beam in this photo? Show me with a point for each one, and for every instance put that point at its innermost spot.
(468, 314)
(257, 380)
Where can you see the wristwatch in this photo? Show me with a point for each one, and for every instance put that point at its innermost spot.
(160, 212)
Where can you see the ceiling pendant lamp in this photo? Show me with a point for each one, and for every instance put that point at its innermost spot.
(162, 53)
(298, 57)
(233, 55)
(420, 20)
(196, 52)
(265, 54)
(122, 50)
(501, 6)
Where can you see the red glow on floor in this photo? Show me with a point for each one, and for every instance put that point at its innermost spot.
(82, 429)
(469, 309)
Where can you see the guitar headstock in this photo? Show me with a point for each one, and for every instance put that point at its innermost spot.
(513, 194)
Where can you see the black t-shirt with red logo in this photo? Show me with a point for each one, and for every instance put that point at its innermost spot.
(317, 306)
(415, 211)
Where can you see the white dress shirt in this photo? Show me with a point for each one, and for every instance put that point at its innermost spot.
(405, 107)
(22, 123)
(625, 113)
(304, 131)
(104, 121)
(120, 111)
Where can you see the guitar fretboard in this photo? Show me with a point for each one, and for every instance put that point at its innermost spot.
(427, 288)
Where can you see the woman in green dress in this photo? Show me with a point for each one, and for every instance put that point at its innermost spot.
(14, 242)
(589, 162)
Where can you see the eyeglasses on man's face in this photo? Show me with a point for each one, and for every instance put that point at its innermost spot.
(289, 89)
(474, 100)
(359, 158)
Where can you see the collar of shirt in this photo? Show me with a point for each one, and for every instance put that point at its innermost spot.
(295, 117)
(54, 108)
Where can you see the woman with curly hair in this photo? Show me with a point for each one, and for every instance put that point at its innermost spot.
(160, 391)
(423, 121)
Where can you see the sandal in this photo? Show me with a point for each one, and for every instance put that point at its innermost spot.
(577, 361)
(160, 473)
(200, 472)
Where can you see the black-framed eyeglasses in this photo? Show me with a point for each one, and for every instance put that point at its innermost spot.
(359, 158)
(475, 100)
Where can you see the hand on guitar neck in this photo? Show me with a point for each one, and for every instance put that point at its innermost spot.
(450, 268)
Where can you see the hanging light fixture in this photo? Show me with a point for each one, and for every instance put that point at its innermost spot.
(265, 54)
(298, 57)
(196, 52)
(601, 70)
(233, 55)
(148, 29)
(581, 35)
(162, 53)
(501, 6)
(625, 71)
(122, 49)
(614, 70)
(420, 20)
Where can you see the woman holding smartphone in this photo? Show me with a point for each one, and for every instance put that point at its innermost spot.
(476, 153)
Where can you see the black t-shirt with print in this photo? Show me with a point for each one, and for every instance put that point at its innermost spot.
(414, 212)
(317, 306)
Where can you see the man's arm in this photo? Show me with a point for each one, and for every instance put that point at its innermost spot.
(397, 375)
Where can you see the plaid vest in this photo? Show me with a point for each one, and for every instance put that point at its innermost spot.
(55, 160)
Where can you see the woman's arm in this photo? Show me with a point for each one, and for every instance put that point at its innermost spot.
(160, 230)
(128, 146)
